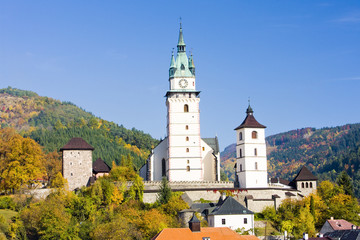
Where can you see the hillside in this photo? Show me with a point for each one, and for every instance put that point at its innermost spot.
(52, 123)
(326, 152)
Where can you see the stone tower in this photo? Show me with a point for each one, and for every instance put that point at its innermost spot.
(251, 163)
(184, 159)
(77, 162)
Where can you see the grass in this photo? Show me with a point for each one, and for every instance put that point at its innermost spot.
(7, 213)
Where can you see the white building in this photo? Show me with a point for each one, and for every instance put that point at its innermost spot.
(230, 213)
(251, 163)
(183, 155)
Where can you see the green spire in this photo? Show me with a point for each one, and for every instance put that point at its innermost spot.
(172, 63)
(181, 44)
(191, 64)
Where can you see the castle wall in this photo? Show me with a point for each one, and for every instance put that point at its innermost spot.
(77, 167)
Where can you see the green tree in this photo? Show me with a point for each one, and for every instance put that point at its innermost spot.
(345, 182)
(165, 192)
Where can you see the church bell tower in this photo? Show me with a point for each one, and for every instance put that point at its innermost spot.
(184, 160)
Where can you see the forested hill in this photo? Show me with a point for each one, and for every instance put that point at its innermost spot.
(326, 152)
(53, 123)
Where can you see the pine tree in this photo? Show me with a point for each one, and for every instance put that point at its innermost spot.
(164, 194)
(344, 181)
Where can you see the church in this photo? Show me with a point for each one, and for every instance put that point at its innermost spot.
(183, 154)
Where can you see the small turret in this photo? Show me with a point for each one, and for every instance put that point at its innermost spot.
(172, 68)
(194, 224)
(191, 65)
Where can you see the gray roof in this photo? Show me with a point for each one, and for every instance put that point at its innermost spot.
(230, 206)
(213, 143)
(344, 234)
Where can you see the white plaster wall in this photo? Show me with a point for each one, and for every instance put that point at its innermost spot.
(159, 152)
(181, 163)
(174, 83)
(208, 162)
(181, 175)
(77, 167)
(180, 129)
(232, 221)
(184, 118)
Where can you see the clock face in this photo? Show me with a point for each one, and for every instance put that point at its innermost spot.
(183, 83)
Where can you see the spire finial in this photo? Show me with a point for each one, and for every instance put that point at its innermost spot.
(249, 101)
(180, 22)
(249, 110)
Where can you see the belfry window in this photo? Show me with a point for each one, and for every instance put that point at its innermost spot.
(187, 127)
(187, 138)
(256, 166)
(302, 185)
(254, 135)
(311, 186)
(188, 168)
(255, 151)
(307, 185)
(163, 167)
(187, 149)
(240, 153)
(186, 108)
(240, 136)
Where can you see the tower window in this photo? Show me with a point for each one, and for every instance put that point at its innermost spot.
(311, 186)
(71, 174)
(240, 153)
(188, 168)
(187, 149)
(254, 135)
(203, 148)
(240, 167)
(240, 136)
(187, 138)
(187, 127)
(163, 167)
(256, 166)
(307, 185)
(302, 185)
(186, 108)
(188, 161)
(255, 151)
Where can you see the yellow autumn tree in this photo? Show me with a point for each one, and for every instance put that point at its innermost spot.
(20, 160)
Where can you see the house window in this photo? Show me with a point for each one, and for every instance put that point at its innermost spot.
(223, 222)
(188, 168)
(254, 135)
(311, 186)
(240, 167)
(163, 167)
(187, 138)
(302, 185)
(240, 136)
(70, 163)
(255, 151)
(245, 220)
(256, 166)
(187, 149)
(186, 108)
(187, 127)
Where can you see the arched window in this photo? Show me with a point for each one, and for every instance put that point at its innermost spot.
(311, 186)
(188, 161)
(163, 167)
(307, 185)
(240, 136)
(256, 166)
(187, 149)
(302, 185)
(186, 108)
(254, 135)
(203, 148)
(240, 153)
(187, 127)
(188, 168)
(255, 151)
(187, 138)
(240, 167)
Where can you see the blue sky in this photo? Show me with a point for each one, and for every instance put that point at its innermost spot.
(298, 61)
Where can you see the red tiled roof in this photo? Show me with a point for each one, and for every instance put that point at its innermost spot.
(77, 144)
(340, 224)
(214, 233)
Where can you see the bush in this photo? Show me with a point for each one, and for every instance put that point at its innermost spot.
(7, 202)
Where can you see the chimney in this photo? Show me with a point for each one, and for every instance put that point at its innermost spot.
(331, 218)
(223, 196)
(353, 227)
(194, 224)
(321, 235)
(305, 236)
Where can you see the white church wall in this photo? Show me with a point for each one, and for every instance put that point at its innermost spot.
(159, 153)
(208, 162)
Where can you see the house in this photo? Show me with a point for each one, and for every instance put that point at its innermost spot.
(230, 213)
(195, 232)
(100, 168)
(353, 234)
(335, 225)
